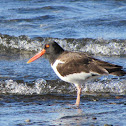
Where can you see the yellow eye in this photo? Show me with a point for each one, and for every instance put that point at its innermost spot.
(47, 46)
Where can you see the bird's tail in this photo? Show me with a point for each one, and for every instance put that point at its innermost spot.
(112, 68)
(116, 70)
(119, 73)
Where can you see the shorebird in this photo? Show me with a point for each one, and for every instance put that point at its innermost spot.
(76, 67)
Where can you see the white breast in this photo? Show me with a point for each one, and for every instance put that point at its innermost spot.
(55, 69)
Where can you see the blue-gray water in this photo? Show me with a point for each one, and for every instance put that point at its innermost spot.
(64, 19)
(31, 94)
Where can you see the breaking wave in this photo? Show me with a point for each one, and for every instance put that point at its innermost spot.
(92, 46)
(42, 86)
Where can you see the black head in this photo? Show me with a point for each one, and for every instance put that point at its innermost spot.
(52, 51)
(53, 48)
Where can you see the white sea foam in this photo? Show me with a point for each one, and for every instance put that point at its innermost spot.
(92, 46)
(12, 87)
(42, 87)
(116, 87)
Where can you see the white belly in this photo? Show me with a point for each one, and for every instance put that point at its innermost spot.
(76, 78)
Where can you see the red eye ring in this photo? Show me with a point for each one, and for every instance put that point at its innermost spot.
(47, 46)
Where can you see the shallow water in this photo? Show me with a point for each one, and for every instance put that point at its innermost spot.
(18, 77)
(56, 110)
(31, 94)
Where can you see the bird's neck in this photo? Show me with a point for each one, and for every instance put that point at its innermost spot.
(53, 56)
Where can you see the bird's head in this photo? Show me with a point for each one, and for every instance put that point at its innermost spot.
(51, 48)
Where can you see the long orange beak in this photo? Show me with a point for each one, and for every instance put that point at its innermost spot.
(38, 55)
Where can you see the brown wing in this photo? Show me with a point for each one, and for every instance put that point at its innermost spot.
(80, 62)
(111, 68)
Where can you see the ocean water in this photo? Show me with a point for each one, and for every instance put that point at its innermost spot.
(64, 19)
(32, 94)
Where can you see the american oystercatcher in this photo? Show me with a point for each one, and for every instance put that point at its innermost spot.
(75, 67)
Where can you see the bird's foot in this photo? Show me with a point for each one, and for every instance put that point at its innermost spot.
(73, 106)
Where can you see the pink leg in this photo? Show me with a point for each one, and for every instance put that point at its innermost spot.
(78, 95)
